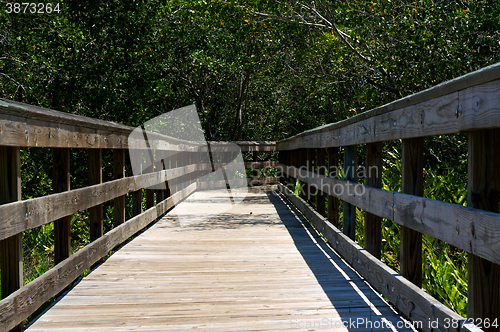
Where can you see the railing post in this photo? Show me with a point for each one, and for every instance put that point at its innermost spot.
(118, 173)
(11, 249)
(166, 166)
(61, 183)
(255, 159)
(284, 159)
(150, 193)
(137, 195)
(349, 219)
(412, 183)
(320, 169)
(173, 164)
(160, 193)
(308, 163)
(301, 162)
(484, 193)
(196, 161)
(373, 223)
(333, 202)
(95, 177)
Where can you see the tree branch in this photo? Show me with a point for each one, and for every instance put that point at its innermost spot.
(334, 28)
(11, 59)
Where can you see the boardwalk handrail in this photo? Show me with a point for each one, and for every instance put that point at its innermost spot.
(470, 103)
(23, 125)
(466, 103)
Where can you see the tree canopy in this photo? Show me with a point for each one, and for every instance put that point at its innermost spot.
(255, 69)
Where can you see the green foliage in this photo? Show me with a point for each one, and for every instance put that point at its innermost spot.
(444, 266)
(445, 274)
(36, 172)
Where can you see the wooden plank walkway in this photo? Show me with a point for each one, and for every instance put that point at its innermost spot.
(256, 267)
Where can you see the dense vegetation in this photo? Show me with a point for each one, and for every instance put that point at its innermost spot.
(261, 70)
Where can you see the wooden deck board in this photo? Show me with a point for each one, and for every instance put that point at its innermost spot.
(264, 271)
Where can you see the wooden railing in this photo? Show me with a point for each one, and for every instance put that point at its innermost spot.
(24, 126)
(467, 104)
(256, 148)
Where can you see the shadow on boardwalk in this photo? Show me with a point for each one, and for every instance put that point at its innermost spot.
(359, 307)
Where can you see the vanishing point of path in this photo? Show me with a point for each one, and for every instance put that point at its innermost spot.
(256, 267)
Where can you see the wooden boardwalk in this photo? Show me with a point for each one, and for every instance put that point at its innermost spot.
(256, 267)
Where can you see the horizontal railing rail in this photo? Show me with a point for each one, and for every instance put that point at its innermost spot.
(466, 103)
(27, 214)
(24, 125)
(473, 230)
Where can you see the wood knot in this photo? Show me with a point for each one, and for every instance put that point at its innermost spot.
(411, 306)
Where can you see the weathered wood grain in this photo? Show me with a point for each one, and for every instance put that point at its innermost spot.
(245, 146)
(249, 146)
(237, 271)
(118, 173)
(26, 300)
(376, 201)
(412, 301)
(23, 215)
(29, 125)
(479, 230)
(469, 108)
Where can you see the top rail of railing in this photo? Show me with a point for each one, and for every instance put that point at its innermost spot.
(466, 103)
(24, 125)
